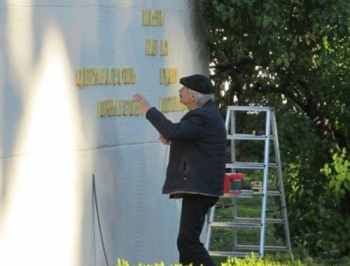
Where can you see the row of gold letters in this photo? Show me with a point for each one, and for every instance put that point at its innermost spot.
(152, 17)
(112, 76)
(151, 47)
(104, 76)
(118, 108)
(167, 76)
(128, 107)
(171, 104)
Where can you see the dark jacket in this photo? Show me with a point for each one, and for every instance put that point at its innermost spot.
(197, 151)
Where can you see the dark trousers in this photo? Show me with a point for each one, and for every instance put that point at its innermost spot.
(194, 210)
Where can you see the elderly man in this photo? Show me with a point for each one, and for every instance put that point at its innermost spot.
(196, 164)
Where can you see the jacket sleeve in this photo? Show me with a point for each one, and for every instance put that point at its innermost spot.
(190, 126)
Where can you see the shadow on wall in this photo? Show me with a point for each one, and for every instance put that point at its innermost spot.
(199, 32)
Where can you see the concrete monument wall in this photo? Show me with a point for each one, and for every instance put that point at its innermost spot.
(69, 69)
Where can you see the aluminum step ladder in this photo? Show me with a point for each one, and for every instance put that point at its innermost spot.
(267, 135)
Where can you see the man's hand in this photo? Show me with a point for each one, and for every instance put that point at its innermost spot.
(142, 102)
(164, 140)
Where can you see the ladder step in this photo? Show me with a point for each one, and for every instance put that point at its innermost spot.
(249, 108)
(232, 254)
(247, 222)
(247, 137)
(252, 224)
(258, 220)
(248, 193)
(249, 165)
(256, 247)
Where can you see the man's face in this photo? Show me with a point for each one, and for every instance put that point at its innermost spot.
(186, 97)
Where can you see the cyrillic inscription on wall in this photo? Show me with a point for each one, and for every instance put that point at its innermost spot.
(124, 76)
(118, 107)
(171, 104)
(151, 46)
(164, 47)
(152, 17)
(167, 76)
(104, 76)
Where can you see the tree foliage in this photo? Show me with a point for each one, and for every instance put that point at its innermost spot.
(294, 55)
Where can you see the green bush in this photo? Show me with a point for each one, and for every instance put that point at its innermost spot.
(279, 259)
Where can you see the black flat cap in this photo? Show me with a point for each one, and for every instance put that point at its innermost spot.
(198, 83)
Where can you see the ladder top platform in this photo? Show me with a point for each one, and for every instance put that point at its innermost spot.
(250, 108)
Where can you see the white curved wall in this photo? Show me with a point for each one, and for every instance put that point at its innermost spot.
(52, 140)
